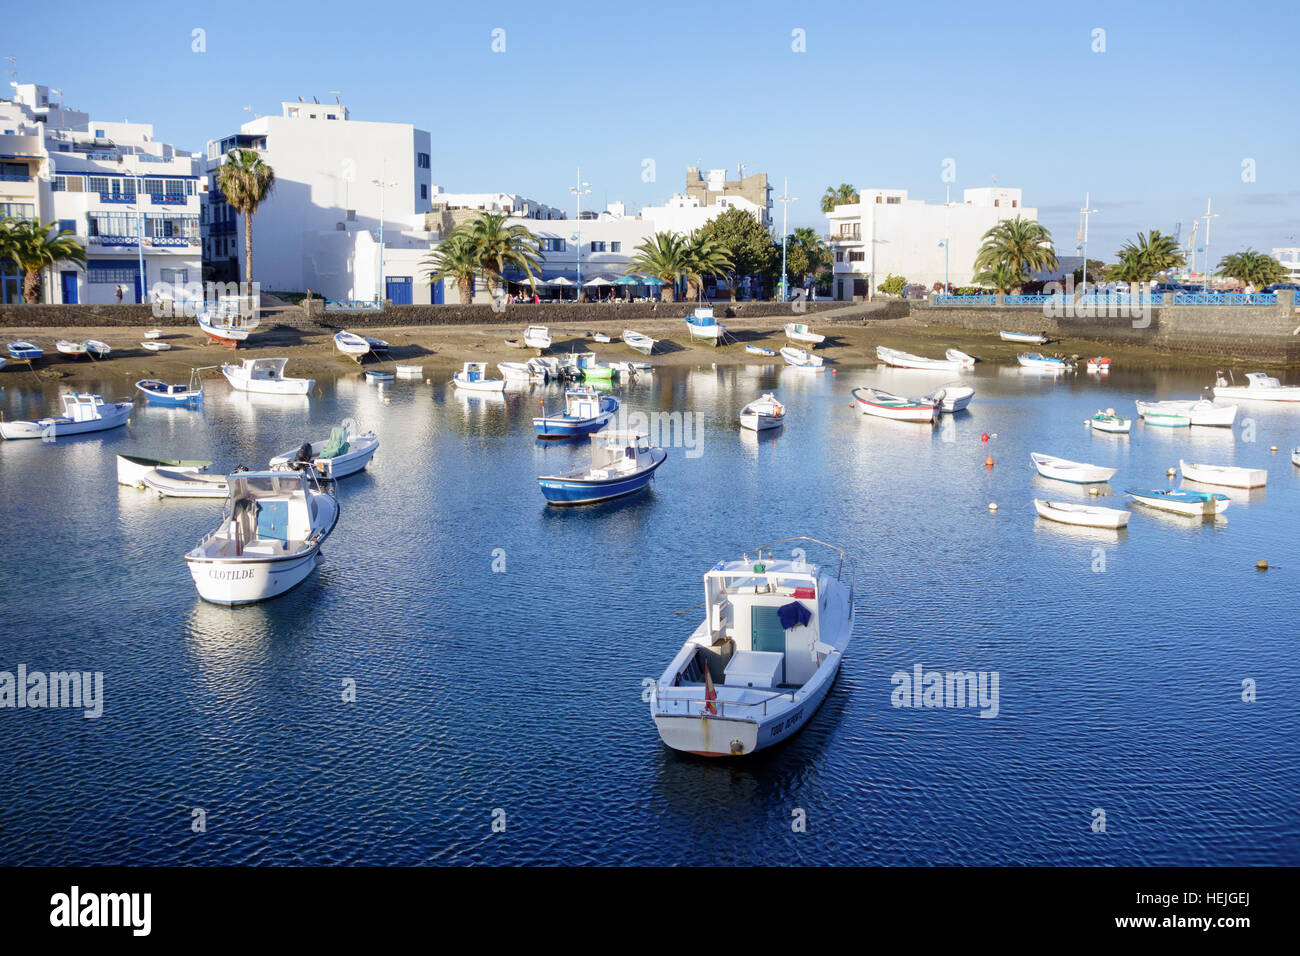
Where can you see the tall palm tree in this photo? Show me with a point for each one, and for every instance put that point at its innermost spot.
(1001, 276)
(838, 196)
(498, 245)
(664, 256)
(34, 247)
(705, 256)
(455, 258)
(1252, 267)
(1141, 261)
(1022, 245)
(246, 182)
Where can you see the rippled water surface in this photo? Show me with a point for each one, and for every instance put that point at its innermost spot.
(1121, 657)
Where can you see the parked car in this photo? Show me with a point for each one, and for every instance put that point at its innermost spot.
(1278, 286)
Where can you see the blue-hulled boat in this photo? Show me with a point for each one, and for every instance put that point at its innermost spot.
(25, 350)
(585, 411)
(161, 393)
(622, 463)
(1036, 361)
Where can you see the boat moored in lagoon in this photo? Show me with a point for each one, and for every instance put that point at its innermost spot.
(755, 670)
(1226, 476)
(898, 359)
(622, 463)
(82, 413)
(1259, 387)
(162, 393)
(1193, 503)
(265, 376)
(951, 397)
(1098, 365)
(585, 411)
(1076, 472)
(703, 325)
(960, 357)
(1037, 362)
(537, 337)
(268, 541)
(763, 413)
(1197, 412)
(338, 456)
(1085, 516)
(798, 358)
(473, 378)
(132, 469)
(1108, 421)
(881, 404)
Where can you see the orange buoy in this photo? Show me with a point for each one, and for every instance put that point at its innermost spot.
(988, 462)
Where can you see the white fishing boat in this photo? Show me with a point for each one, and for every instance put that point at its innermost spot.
(132, 469)
(763, 413)
(265, 376)
(96, 348)
(1225, 475)
(1077, 472)
(960, 357)
(601, 337)
(537, 337)
(343, 453)
(75, 349)
(1194, 503)
(1259, 387)
(409, 371)
(1108, 421)
(703, 325)
(1086, 516)
(798, 358)
(881, 404)
(797, 332)
(1295, 456)
(1197, 412)
(473, 378)
(1032, 338)
(642, 343)
(82, 413)
(171, 394)
(226, 326)
(153, 334)
(898, 359)
(155, 346)
(759, 350)
(269, 539)
(622, 463)
(951, 397)
(351, 344)
(1037, 362)
(585, 411)
(516, 372)
(377, 376)
(758, 666)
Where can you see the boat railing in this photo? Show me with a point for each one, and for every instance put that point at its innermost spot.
(723, 704)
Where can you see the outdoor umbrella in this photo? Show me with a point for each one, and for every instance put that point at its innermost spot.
(598, 281)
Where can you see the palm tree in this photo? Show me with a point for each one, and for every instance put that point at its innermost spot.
(664, 256)
(455, 258)
(34, 247)
(705, 256)
(1253, 268)
(1141, 261)
(1022, 245)
(838, 196)
(246, 182)
(498, 245)
(1001, 276)
(807, 249)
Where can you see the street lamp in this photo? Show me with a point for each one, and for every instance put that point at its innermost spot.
(139, 227)
(1207, 217)
(383, 185)
(580, 190)
(785, 210)
(1084, 213)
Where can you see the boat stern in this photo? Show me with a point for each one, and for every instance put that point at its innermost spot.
(707, 736)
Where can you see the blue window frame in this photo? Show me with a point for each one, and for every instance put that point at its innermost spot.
(68, 225)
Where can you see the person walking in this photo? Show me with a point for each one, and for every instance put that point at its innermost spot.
(119, 295)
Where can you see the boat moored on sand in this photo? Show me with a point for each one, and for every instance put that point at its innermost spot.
(798, 332)
(703, 325)
(759, 665)
(642, 343)
(898, 359)
(1031, 338)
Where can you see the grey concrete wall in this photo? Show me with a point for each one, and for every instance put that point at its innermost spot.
(84, 316)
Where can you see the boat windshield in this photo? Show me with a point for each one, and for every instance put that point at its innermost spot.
(266, 484)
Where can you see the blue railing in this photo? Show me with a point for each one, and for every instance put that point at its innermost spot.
(1246, 298)
(353, 305)
(965, 300)
(1026, 299)
(1116, 298)
(170, 200)
(110, 197)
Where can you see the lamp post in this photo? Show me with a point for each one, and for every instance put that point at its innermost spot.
(383, 185)
(579, 190)
(1084, 213)
(947, 235)
(785, 210)
(139, 226)
(1207, 217)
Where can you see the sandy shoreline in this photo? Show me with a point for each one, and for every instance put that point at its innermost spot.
(442, 349)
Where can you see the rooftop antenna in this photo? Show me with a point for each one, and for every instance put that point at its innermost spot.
(301, 100)
(337, 95)
(315, 100)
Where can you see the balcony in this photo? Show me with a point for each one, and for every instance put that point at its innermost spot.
(170, 200)
(854, 236)
(116, 198)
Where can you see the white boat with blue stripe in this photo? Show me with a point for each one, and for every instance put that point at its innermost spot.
(1037, 362)
(703, 325)
(758, 666)
(585, 411)
(622, 463)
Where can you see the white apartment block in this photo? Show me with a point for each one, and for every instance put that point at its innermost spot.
(512, 203)
(106, 182)
(1290, 259)
(332, 174)
(886, 233)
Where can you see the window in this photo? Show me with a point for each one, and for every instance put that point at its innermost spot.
(893, 200)
(997, 202)
(422, 160)
(839, 255)
(424, 191)
(100, 272)
(616, 247)
(99, 134)
(597, 247)
(174, 276)
(1014, 203)
(551, 245)
(856, 256)
(18, 210)
(68, 225)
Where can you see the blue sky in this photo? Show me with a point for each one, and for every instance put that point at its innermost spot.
(882, 95)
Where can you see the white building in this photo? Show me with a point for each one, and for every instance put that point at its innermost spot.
(685, 214)
(886, 233)
(106, 183)
(1290, 259)
(513, 203)
(332, 174)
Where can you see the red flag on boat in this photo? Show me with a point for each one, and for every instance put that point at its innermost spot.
(710, 695)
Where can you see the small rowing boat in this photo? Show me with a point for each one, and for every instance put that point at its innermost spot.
(642, 343)
(1076, 472)
(1032, 338)
(952, 397)
(151, 346)
(1226, 476)
(897, 359)
(759, 350)
(351, 344)
(1087, 516)
(798, 358)
(797, 332)
(1193, 503)
(763, 413)
(1108, 421)
(1037, 362)
(960, 357)
(132, 469)
(881, 404)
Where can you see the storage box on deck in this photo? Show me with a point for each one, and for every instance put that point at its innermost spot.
(754, 669)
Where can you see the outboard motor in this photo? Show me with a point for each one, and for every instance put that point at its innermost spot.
(302, 457)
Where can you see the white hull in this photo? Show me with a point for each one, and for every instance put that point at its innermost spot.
(173, 483)
(952, 398)
(1194, 509)
(803, 336)
(879, 405)
(409, 371)
(361, 448)
(515, 371)
(1197, 413)
(131, 471)
(1081, 515)
(537, 337)
(351, 344)
(1033, 338)
(1279, 393)
(111, 416)
(155, 346)
(1075, 472)
(763, 414)
(642, 343)
(897, 359)
(1120, 426)
(481, 385)
(228, 582)
(960, 357)
(241, 381)
(798, 358)
(1225, 476)
(711, 334)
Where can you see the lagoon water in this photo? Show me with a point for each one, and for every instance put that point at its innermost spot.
(515, 695)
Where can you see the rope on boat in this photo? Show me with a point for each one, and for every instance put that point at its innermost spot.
(685, 609)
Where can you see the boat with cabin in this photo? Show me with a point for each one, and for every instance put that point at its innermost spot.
(83, 412)
(473, 378)
(622, 463)
(265, 376)
(585, 411)
(756, 669)
(1259, 387)
(702, 324)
